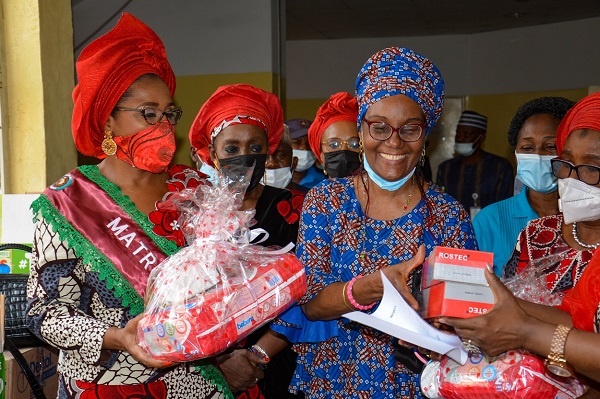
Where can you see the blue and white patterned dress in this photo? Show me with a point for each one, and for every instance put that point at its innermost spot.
(352, 360)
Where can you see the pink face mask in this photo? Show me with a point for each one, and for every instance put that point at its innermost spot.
(151, 149)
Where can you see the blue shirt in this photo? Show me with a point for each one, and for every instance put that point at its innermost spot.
(497, 227)
(337, 241)
(313, 177)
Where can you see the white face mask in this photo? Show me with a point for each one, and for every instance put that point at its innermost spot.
(535, 171)
(464, 149)
(306, 159)
(578, 202)
(279, 177)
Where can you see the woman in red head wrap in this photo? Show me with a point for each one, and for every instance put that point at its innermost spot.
(240, 125)
(94, 244)
(333, 136)
(566, 247)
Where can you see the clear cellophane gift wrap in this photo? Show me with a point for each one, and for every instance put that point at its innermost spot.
(219, 288)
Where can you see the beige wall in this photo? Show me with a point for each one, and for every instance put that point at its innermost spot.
(303, 108)
(37, 82)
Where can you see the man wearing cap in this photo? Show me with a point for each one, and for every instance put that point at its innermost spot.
(474, 177)
(306, 173)
(281, 164)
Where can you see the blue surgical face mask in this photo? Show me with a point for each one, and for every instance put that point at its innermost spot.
(535, 171)
(212, 173)
(384, 184)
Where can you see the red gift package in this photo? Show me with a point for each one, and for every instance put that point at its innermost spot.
(513, 375)
(220, 287)
(208, 324)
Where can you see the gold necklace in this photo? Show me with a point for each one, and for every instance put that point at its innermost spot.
(412, 187)
(366, 189)
(363, 252)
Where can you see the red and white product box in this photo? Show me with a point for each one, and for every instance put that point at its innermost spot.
(453, 264)
(453, 299)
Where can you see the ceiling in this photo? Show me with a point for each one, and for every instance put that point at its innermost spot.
(346, 19)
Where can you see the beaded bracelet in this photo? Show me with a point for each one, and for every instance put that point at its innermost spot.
(344, 297)
(351, 298)
(260, 352)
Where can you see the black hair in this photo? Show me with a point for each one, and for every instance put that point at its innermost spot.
(555, 106)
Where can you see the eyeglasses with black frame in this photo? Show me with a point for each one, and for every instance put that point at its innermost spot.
(153, 115)
(589, 174)
(381, 131)
(335, 144)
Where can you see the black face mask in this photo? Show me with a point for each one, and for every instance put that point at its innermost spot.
(341, 163)
(256, 160)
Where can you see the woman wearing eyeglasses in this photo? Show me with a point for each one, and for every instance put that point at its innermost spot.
(240, 125)
(568, 240)
(568, 335)
(94, 246)
(333, 136)
(532, 134)
(382, 220)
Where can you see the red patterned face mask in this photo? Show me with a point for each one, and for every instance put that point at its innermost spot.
(151, 149)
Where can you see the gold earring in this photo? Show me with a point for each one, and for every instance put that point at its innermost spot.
(423, 157)
(216, 162)
(109, 147)
(361, 152)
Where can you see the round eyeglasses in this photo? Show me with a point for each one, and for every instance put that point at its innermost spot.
(335, 144)
(589, 174)
(381, 131)
(153, 115)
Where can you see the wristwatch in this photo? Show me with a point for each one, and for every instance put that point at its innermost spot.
(556, 362)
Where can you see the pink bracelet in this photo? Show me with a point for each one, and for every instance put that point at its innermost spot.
(351, 298)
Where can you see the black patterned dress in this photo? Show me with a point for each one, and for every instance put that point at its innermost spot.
(75, 296)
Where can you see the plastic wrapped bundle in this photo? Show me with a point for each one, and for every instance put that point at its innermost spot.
(530, 284)
(515, 374)
(512, 375)
(219, 288)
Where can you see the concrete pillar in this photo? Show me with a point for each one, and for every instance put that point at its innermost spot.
(36, 40)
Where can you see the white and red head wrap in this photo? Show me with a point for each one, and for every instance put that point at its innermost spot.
(234, 104)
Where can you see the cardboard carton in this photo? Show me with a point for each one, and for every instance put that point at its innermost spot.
(42, 361)
(455, 300)
(453, 264)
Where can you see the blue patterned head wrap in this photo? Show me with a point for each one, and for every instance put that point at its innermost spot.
(397, 70)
